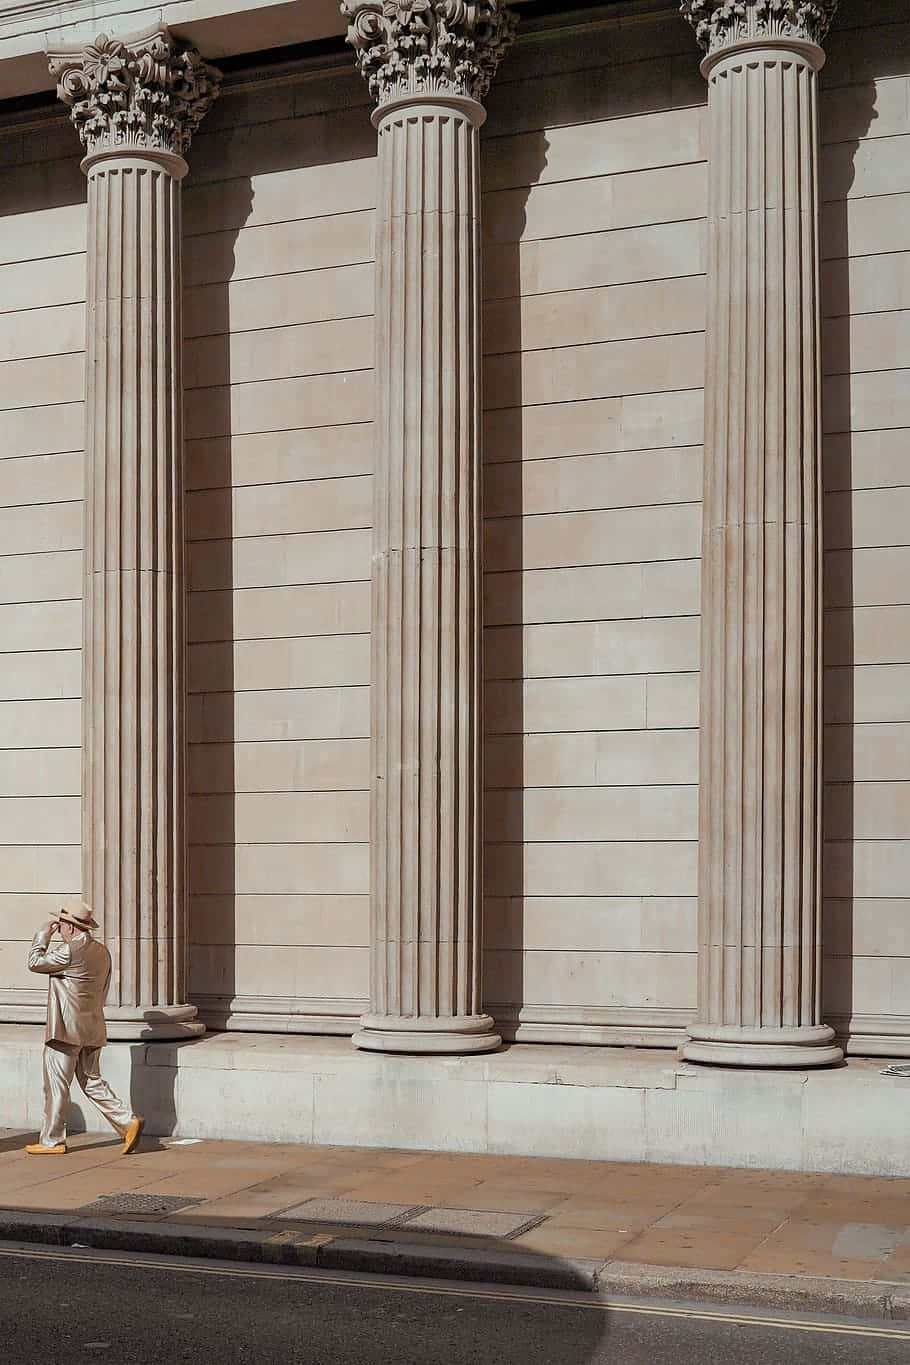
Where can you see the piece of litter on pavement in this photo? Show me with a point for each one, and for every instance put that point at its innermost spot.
(80, 1246)
(897, 1069)
(183, 1142)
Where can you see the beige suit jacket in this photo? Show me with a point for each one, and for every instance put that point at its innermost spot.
(79, 973)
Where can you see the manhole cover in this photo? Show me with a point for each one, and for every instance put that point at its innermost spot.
(475, 1222)
(139, 1203)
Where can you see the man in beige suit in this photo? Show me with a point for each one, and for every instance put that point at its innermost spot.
(78, 972)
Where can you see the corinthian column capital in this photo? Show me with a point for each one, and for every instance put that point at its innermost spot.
(723, 24)
(142, 94)
(428, 47)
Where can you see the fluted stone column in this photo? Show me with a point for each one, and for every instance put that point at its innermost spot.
(429, 65)
(760, 804)
(135, 105)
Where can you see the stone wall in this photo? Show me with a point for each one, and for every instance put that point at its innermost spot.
(595, 199)
(42, 337)
(595, 261)
(865, 298)
(279, 354)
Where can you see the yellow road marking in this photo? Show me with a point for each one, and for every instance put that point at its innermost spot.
(454, 1291)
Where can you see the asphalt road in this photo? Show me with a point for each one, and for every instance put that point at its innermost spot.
(69, 1305)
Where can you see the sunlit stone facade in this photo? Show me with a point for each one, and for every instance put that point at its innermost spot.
(453, 523)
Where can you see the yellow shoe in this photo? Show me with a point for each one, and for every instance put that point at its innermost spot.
(35, 1149)
(132, 1135)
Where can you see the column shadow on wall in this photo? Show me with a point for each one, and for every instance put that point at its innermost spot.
(838, 592)
(210, 759)
(211, 737)
(504, 450)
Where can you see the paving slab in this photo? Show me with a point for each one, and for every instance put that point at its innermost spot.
(815, 1242)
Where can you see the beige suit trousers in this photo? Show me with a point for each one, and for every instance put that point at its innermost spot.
(63, 1061)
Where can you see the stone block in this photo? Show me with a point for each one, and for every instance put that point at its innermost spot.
(612, 758)
(570, 979)
(302, 765)
(634, 422)
(261, 920)
(585, 647)
(265, 971)
(858, 227)
(867, 518)
(868, 635)
(44, 234)
(876, 165)
(280, 352)
(41, 772)
(41, 431)
(727, 1118)
(613, 591)
(573, 539)
(44, 577)
(38, 626)
(276, 560)
(581, 483)
(306, 296)
(671, 701)
(278, 249)
(597, 924)
(535, 705)
(570, 814)
(42, 331)
(278, 869)
(593, 149)
(45, 672)
(622, 868)
(308, 505)
(871, 752)
(605, 1124)
(865, 459)
(597, 203)
(868, 694)
(257, 613)
(293, 193)
(46, 526)
(865, 284)
(306, 713)
(41, 820)
(282, 404)
(251, 665)
(399, 1110)
(49, 724)
(592, 260)
(865, 578)
(44, 283)
(867, 810)
(47, 867)
(280, 456)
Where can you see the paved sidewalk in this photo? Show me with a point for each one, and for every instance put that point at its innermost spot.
(763, 1237)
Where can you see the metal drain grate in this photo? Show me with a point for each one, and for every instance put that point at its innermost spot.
(140, 1203)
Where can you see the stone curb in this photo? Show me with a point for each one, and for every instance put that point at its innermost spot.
(877, 1300)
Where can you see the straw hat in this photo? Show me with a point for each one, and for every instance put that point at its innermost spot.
(78, 913)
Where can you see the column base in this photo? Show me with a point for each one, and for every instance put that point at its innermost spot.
(729, 1045)
(427, 1033)
(127, 1023)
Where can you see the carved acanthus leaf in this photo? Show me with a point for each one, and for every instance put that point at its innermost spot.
(449, 47)
(721, 23)
(149, 93)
